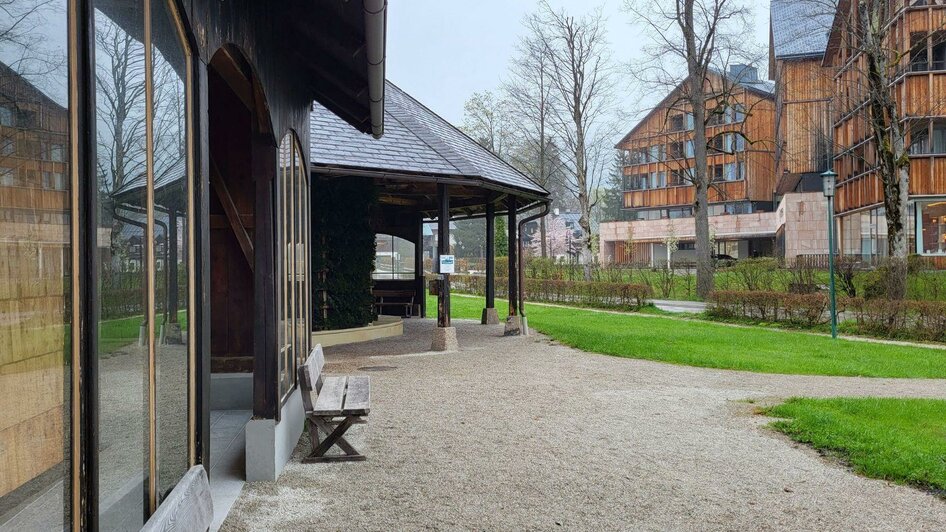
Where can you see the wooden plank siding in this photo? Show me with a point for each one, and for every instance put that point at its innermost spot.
(805, 89)
(758, 157)
(919, 95)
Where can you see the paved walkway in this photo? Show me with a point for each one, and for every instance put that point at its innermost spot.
(523, 433)
(670, 305)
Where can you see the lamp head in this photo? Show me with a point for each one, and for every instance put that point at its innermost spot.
(828, 181)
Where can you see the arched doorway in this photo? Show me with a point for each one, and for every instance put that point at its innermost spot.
(242, 166)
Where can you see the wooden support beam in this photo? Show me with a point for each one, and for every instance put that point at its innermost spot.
(490, 255)
(229, 208)
(443, 248)
(513, 259)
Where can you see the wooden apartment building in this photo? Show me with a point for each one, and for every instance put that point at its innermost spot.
(657, 157)
(918, 34)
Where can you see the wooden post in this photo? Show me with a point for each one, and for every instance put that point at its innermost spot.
(490, 317)
(513, 259)
(420, 289)
(490, 255)
(443, 248)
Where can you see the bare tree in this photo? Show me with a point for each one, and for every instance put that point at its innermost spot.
(582, 79)
(120, 79)
(530, 95)
(699, 34)
(486, 119)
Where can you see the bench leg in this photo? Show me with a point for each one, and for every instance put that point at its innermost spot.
(335, 432)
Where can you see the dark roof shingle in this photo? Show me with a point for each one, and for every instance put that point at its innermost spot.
(415, 140)
(800, 28)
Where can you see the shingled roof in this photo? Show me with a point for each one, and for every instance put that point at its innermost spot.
(800, 28)
(416, 141)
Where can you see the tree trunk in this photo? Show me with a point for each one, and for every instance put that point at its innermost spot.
(697, 99)
(544, 236)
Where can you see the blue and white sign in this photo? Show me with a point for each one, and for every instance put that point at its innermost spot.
(446, 263)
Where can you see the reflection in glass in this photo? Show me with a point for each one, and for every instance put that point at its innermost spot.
(394, 258)
(933, 226)
(283, 232)
(35, 266)
(170, 241)
(122, 329)
(292, 217)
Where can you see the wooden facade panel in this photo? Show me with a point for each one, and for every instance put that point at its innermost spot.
(806, 88)
(677, 196)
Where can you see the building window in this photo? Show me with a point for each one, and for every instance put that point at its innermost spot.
(932, 226)
(35, 279)
(8, 177)
(637, 156)
(394, 258)
(53, 181)
(7, 115)
(293, 263)
(689, 149)
(144, 271)
(676, 122)
(7, 145)
(675, 150)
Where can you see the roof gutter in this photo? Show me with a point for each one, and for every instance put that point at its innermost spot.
(375, 29)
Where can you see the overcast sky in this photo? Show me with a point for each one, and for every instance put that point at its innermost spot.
(441, 51)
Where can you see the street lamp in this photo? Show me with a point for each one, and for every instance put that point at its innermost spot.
(828, 180)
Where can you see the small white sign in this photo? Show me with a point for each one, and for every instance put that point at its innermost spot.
(446, 263)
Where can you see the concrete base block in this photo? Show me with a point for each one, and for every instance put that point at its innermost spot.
(171, 334)
(490, 317)
(513, 326)
(445, 339)
(269, 444)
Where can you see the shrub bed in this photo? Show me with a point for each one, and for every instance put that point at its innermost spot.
(586, 293)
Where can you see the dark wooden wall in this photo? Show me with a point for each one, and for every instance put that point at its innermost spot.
(231, 279)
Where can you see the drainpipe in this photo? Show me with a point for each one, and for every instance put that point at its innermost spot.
(521, 296)
(375, 29)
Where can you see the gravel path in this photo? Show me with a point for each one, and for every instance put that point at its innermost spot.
(522, 433)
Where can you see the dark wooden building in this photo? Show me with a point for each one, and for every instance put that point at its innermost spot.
(154, 214)
(421, 161)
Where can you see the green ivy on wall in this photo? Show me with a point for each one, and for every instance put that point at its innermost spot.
(343, 253)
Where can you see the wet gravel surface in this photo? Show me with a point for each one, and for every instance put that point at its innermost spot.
(523, 433)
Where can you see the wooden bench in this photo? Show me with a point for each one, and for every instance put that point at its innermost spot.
(188, 507)
(394, 298)
(332, 406)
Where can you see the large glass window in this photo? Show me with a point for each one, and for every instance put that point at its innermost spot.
(292, 222)
(144, 219)
(35, 268)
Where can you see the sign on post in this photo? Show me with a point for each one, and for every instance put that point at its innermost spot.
(446, 263)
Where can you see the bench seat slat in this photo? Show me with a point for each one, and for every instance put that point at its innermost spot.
(358, 395)
(331, 397)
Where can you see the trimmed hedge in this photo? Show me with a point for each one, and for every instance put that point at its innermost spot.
(591, 294)
(801, 309)
(906, 319)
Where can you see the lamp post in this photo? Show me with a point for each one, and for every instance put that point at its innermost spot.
(828, 180)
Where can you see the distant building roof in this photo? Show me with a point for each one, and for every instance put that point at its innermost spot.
(800, 28)
(745, 76)
(416, 140)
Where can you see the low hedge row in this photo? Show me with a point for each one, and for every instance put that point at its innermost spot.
(588, 293)
(802, 309)
(915, 320)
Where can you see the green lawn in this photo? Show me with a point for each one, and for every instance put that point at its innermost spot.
(118, 333)
(713, 345)
(902, 440)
